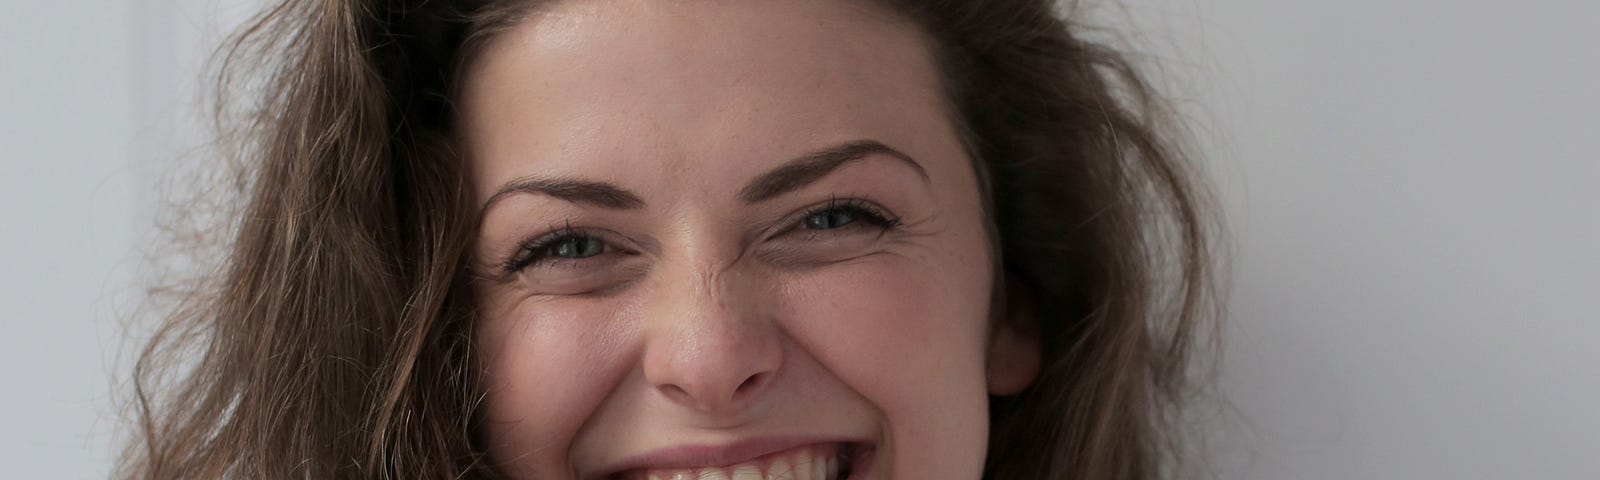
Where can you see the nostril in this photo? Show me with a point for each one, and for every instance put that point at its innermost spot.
(676, 393)
(706, 396)
(752, 384)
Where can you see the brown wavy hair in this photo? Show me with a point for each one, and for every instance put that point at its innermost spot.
(332, 337)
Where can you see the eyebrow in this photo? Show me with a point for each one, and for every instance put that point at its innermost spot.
(797, 173)
(793, 175)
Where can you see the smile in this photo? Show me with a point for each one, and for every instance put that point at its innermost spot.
(822, 461)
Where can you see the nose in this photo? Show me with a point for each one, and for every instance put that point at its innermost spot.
(710, 349)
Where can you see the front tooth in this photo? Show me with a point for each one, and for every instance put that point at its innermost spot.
(802, 467)
(713, 474)
(683, 475)
(819, 469)
(746, 472)
(780, 470)
(656, 476)
(833, 468)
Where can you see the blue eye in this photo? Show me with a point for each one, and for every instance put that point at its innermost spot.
(564, 244)
(829, 219)
(574, 247)
(838, 214)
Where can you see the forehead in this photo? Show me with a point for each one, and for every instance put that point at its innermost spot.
(581, 87)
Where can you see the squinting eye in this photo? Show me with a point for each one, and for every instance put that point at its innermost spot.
(842, 215)
(831, 231)
(829, 219)
(565, 245)
(576, 247)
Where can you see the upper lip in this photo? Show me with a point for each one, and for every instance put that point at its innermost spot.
(702, 456)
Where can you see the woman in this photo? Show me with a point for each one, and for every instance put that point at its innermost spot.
(687, 239)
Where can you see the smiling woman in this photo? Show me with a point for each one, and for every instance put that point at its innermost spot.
(836, 301)
(687, 239)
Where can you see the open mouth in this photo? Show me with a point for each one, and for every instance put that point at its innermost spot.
(825, 461)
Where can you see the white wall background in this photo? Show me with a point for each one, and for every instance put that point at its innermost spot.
(1413, 187)
(1415, 191)
(97, 99)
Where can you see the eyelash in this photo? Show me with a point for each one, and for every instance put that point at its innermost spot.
(866, 211)
(538, 250)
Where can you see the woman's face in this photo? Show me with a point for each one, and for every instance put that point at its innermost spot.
(726, 236)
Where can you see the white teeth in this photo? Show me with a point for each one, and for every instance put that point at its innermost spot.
(713, 474)
(780, 470)
(801, 464)
(746, 472)
(802, 467)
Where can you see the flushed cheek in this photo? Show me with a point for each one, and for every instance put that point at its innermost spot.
(910, 339)
(545, 372)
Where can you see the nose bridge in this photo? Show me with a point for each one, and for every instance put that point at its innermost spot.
(710, 348)
(712, 285)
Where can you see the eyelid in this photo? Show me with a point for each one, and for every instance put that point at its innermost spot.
(514, 262)
(791, 221)
(517, 260)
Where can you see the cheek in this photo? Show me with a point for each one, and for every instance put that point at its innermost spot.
(909, 336)
(546, 368)
(885, 313)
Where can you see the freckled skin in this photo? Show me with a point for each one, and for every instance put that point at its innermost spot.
(690, 330)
